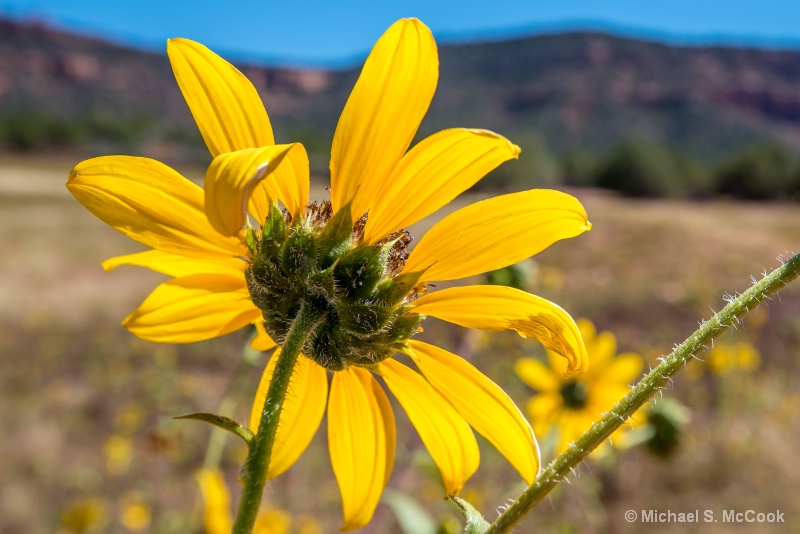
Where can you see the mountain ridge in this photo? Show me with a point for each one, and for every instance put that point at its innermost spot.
(576, 90)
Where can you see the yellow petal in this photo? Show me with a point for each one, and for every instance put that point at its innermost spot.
(302, 411)
(588, 331)
(216, 502)
(361, 441)
(560, 365)
(289, 183)
(433, 173)
(537, 375)
(174, 265)
(543, 410)
(275, 521)
(498, 308)
(495, 233)
(261, 341)
(151, 203)
(231, 178)
(625, 368)
(603, 396)
(603, 348)
(225, 105)
(383, 113)
(193, 308)
(482, 403)
(444, 432)
(571, 426)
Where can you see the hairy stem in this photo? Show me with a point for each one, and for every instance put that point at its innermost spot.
(642, 392)
(254, 471)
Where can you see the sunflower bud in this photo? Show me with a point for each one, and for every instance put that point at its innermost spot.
(318, 263)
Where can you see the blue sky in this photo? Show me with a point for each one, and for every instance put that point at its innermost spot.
(340, 32)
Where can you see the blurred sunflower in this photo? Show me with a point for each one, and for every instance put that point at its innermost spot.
(344, 266)
(741, 356)
(569, 405)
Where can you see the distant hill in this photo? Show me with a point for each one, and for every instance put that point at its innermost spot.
(574, 90)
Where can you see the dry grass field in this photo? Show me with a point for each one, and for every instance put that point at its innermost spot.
(87, 435)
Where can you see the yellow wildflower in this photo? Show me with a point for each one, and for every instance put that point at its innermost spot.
(119, 452)
(728, 357)
(135, 513)
(348, 259)
(570, 405)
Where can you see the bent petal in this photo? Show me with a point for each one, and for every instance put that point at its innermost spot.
(434, 172)
(193, 308)
(289, 183)
(262, 341)
(482, 403)
(361, 441)
(301, 415)
(383, 112)
(495, 233)
(497, 308)
(151, 203)
(444, 432)
(231, 178)
(216, 502)
(174, 265)
(223, 102)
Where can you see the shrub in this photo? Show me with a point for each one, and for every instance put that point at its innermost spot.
(647, 170)
(759, 172)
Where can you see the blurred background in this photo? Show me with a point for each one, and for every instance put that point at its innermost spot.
(678, 127)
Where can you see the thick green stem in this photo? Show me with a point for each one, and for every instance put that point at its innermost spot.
(642, 392)
(254, 471)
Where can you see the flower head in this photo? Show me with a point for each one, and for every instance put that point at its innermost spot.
(569, 405)
(347, 263)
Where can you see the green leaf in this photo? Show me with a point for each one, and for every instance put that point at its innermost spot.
(250, 239)
(225, 423)
(476, 524)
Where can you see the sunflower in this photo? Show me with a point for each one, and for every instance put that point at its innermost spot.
(569, 405)
(726, 358)
(345, 263)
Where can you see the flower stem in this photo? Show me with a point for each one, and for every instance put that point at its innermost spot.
(642, 392)
(254, 471)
